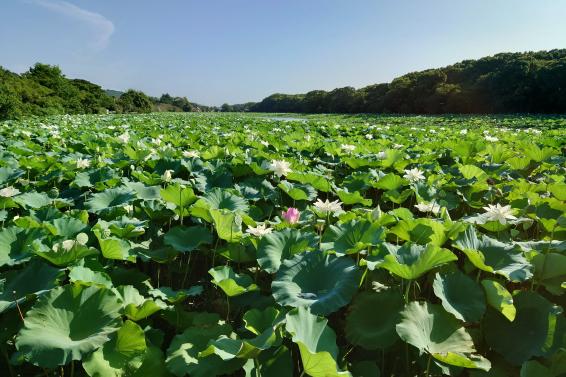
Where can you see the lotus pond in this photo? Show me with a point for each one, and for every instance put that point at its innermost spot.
(240, 245)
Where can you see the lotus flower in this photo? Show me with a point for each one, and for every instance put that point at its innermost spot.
(498, 213)
(328, 206)
(124, 138)
(8, 192)
(348, 147)
(428, 207)
(491, 139)
(167, 175)
(280, 167)
(83, 163)
(291, 215)
(258, 231)
(189, 154)
(414, 175)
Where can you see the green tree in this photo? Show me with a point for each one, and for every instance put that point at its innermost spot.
(134, 101)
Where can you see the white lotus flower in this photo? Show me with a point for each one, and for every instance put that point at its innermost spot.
(398, 146)
(369, 136)
(25, 133)
(83, 163)
(128, 208)
(124, 138)
(66, 245)
(167, 175)
(463, 132)
(328, 206)
(428, 207)
(414, 175)
(382, 155)
(498, 213)
(8, 192)
(348, 147)
(491, 139)
(189, 154)
(264, 143)
(280, 167)
(260, 230)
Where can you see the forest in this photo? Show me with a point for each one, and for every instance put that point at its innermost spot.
(530, 82)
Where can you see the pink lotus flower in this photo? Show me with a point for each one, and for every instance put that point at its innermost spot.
(291, 215)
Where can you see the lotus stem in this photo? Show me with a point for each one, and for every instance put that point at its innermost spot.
(407, 291)
(428, 365)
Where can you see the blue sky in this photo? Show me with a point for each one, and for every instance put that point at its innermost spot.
(216, 51)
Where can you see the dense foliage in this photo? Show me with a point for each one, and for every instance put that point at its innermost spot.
(211, 244)
(44, 90)
(531, 82)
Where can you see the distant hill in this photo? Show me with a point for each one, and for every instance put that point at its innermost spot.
(113, 93)
(530, 82)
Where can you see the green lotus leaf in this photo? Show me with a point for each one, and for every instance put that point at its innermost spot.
(536, 330)
(135, 306)
(276, 362)
(390, 182)
(144, 192)
(62, 257)
(124, 227)
(173, 296)
(183, 353)
(219, 199)
(499, 298)
(324, 283)
(228, 225)
(110, 199)
(261, 323)
(431, 329)
(231, 283)
(257, 321)
(36, 278)
(227, 348)
(185, 239)
(410, 261)
(126, 355)
(298, 191)
(353, 198)
(277, 246)
(33, 199)
(9, 174)
(352, 237)
(67, 227)
(86, 276)
(178, 195)
(68, 323)
(316, 181)
(316, 342)
(550, 271)
(114, 248)
(422, 231)
(460, 295)
(494, 256)
(16, 245)
(372, 318)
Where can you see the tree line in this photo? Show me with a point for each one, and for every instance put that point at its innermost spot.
(530, 82)
(44, 90)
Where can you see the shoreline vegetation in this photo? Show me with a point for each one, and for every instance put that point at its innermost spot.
(506, 83)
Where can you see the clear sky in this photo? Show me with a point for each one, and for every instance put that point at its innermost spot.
(234, 51)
